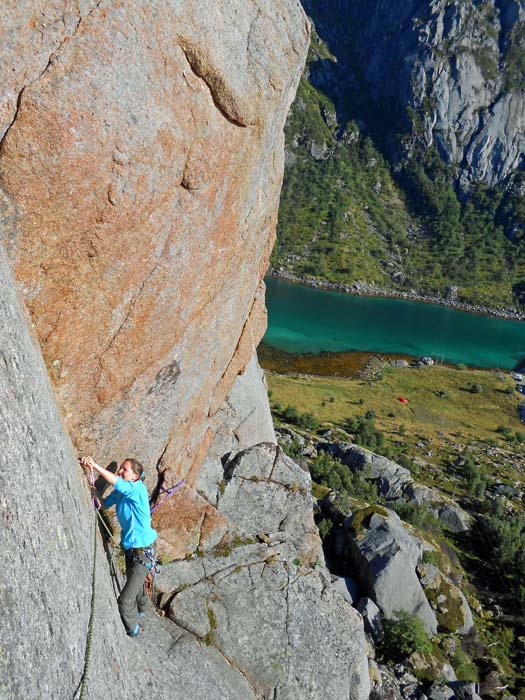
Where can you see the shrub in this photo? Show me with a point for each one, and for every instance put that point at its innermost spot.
(290, 414)
(418, 516)
(366, 434)
(292, 449)
(331, 472)
(404, 635)
(307, 421)
(304, 420)
(325, 527)
(430, 557)
(478, 485)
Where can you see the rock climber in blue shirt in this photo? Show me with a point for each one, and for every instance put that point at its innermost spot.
(130, 497)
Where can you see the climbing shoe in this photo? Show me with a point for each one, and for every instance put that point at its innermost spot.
(134, 632)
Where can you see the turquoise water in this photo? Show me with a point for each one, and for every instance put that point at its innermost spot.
(303, 319)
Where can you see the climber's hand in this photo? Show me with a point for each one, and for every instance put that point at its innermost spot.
(86, 462)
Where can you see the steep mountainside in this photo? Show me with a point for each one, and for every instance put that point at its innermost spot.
(141, 160)
(62, 634)
(454, 69)
(408, 129)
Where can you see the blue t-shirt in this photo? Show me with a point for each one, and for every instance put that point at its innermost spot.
(133, 513)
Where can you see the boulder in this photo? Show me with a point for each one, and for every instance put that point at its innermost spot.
(452, 610)
(453, 517)
(428, 667)
(391, 477)
(385, 558)
(371, 617)
(395, 482)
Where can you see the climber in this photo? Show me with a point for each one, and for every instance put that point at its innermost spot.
(131, 499)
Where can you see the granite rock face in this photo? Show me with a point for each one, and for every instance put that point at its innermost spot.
(451, 63)
(188, 520)
(263, 597)
(46, 543)
(140, 168)
(270, 615)
(141, 159)
(243, 420)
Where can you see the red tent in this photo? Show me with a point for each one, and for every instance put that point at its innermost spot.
(402, 399)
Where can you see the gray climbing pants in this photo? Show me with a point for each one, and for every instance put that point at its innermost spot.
(133, 598)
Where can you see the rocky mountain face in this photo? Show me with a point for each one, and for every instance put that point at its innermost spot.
(141, 160)
(407, 133)
(452, 70)
(140, 170)
(243, 620)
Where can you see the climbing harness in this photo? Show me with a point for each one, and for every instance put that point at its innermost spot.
(146, 557)
(167, 494)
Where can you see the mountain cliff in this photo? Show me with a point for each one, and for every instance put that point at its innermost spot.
(452, 70)
(408, 127)
(141, 161)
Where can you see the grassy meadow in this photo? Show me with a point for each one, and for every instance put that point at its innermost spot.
(440, 400)
(449, 410)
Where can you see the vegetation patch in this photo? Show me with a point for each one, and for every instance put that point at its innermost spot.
(360, 518)
(209, 638)
(404, 635)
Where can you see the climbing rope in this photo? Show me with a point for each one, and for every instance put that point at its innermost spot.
(89, 642)
(167, 494)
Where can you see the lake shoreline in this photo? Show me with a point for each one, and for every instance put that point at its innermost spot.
(365, 290)
(343, 364)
